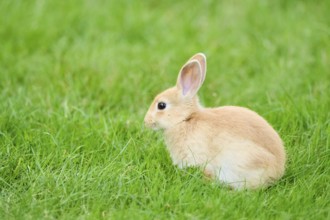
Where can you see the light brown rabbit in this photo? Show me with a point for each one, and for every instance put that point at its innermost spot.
(232, 144)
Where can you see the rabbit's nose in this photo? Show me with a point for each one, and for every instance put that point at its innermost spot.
(148, 122)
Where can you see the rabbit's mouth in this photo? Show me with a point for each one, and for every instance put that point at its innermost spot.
(150, 124)
(154, 126)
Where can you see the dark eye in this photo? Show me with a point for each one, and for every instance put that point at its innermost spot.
(161, 105)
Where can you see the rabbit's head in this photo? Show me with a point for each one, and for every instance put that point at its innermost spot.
(177, 104)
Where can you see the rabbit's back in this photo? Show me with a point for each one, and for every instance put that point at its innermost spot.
(234, 143)
(242, 123)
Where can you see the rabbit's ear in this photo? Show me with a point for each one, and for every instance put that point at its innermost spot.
(201, 58)
(190, 78)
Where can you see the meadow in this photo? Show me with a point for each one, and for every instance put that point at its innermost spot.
(77, 77)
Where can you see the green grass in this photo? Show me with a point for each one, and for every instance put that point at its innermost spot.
(76, 78)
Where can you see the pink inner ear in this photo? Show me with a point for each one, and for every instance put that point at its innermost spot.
(186, 80)
(190, 79)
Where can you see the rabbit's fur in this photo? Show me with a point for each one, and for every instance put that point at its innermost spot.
(232, 144)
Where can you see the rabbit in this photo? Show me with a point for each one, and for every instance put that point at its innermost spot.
(231, 144)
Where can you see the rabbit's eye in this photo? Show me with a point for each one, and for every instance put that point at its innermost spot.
(161, 105)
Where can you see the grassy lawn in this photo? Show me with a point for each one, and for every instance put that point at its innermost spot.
(77, 77)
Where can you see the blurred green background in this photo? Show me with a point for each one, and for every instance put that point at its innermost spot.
(76, 78)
